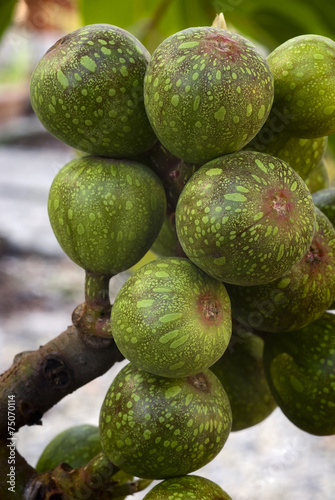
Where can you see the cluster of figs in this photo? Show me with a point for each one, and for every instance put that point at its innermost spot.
(207, 153)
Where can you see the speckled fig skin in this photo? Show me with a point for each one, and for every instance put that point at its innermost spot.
(300, 370)
(325, 201)
(207, 92)
(241, 372)
(301, 154)
(298, 297)
(156, 427)
(106, 213)
(318, 178)
(304, 81)
(87, 90)
(187, 488)
(171, 319)
(245, 218)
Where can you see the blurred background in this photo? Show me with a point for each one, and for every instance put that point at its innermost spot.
(40, 286)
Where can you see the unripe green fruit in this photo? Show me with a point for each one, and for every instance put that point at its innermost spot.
(75, 446)
(171, 319)
(300, 370)
(207, 92)
(301, 154)
(318, 178)
(304, 78)
(87, 90)
(106, 213)
(187, 488)
(245, 218)
(324, 199)
(156, 427)
(298, 297)
(241, 372)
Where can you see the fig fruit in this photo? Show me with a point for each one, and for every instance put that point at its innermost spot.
(207, 92)
(106, 213)
(245, 218)
(241, 372)
(171, 319)
(298, 297)
(300, 370)
(324, 199)
(87, 90)
(304, 81)
(155, 427)
(187, 488)
(75, 446)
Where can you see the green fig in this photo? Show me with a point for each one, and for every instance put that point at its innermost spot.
(324, 199)
(87, 90)
(241, 372)
(156, 427)
(106, 213)
(245, 218)
(171, 319)
(207, 92)
(298, 297)
(301, 154)
(318, 178)
(304, 82)
(300, 370)
(187, 488)
(75, 446)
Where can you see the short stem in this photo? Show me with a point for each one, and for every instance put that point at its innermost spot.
(97, 290)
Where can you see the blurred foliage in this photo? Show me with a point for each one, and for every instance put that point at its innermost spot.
(6, 13)
(272, 23)
(268, 23)
(149, 20)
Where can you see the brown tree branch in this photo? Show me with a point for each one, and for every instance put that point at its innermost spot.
(40, 379)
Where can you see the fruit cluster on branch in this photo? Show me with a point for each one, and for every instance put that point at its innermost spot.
(203, 152)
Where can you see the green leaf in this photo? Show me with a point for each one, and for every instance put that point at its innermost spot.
(6, 13)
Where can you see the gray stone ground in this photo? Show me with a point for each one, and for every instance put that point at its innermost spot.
(39, 288)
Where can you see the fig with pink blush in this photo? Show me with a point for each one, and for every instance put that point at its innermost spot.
(245, 218)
